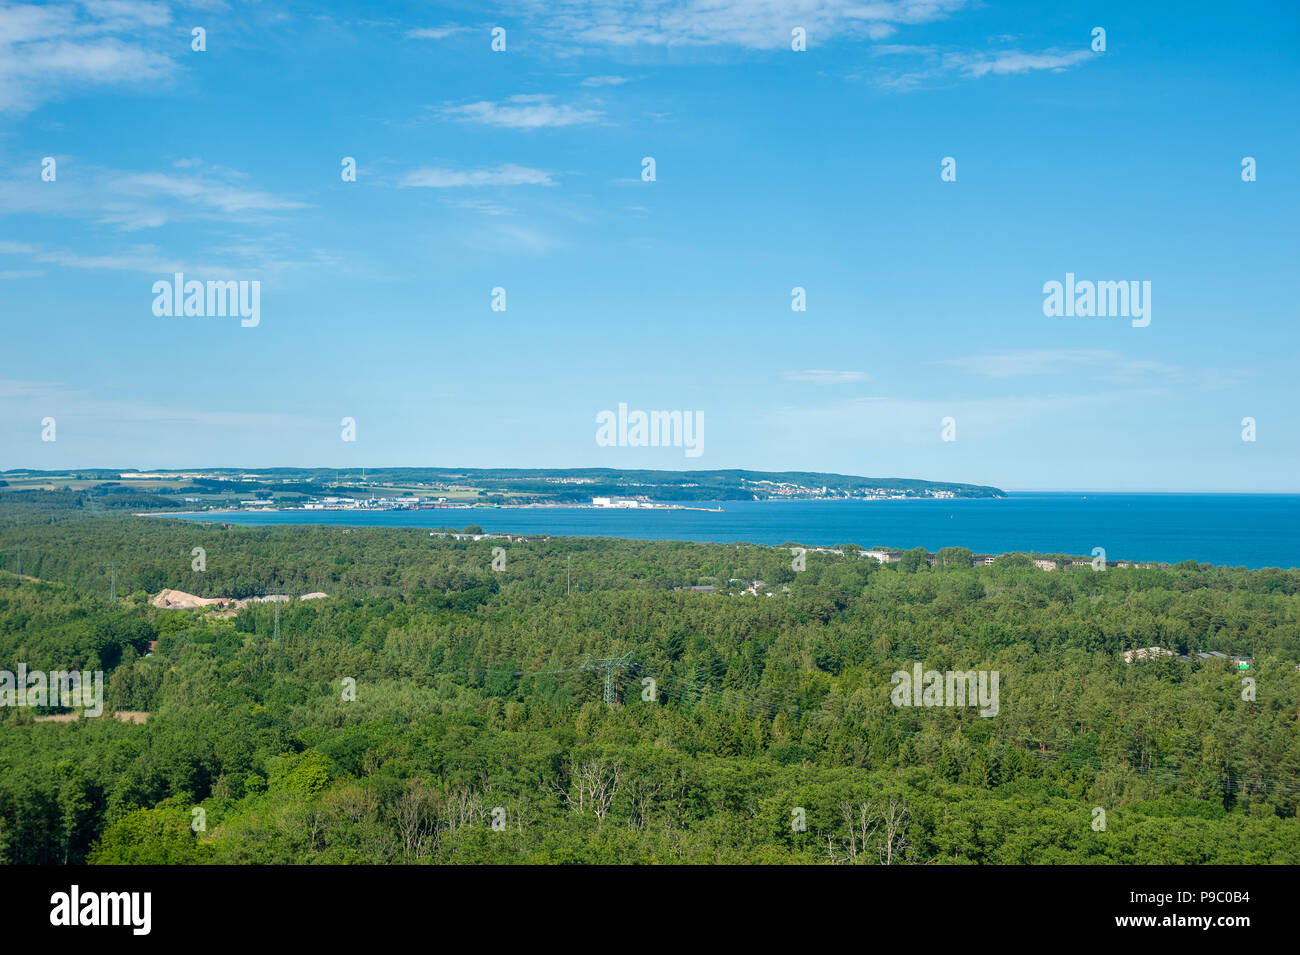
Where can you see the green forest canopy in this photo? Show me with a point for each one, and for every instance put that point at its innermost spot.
(476, 735)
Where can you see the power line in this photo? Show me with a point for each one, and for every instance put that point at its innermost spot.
(608, 665)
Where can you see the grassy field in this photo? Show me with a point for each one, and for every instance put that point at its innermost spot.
(74, 481)
(48, 483)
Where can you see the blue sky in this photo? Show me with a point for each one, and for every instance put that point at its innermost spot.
(774, 169)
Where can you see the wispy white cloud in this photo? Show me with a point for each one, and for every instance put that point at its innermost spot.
(604, 81)
(12, 388)
(909, 422)
(819, 376)
(437, 177)
(524, 112)
(483, 206)
(25, 399)
(1014, 61)
(752, 24)
(125, 13)
(133, 258)
(522, 238)
(1092, 364)
(254, 258)
(207, 192)
(434, 33)
(49, 50)
(130, 201)
(931, 65)
(1039, 362)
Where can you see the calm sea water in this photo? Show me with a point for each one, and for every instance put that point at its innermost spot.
(1250, 530)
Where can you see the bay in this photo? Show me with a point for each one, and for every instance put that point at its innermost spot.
(1239, 530)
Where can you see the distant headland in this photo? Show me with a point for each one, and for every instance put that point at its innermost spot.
(395, 488)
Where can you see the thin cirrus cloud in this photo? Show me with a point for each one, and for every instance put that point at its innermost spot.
(131, 201)
(12, 388)
(1014, 61)
(1093, 363)
(1039, 362)
(433, 33)
(134, 258)
(821, 376)
(211, 194)
(931, 65)
(109, 421)
(752, 24)
(523, 112)
(248, 259)
(910, 422)
(49, 50)
(437, 177)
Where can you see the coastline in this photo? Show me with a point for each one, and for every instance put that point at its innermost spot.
(1251, 531)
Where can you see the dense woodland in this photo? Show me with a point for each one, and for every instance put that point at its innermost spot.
(476, 735)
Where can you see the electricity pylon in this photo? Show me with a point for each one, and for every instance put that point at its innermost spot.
(20, 562)
(607, 665)
(275, 606)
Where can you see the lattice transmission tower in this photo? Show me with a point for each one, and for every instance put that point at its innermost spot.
(607, 665)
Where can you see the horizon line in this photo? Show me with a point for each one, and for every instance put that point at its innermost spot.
(433, 467)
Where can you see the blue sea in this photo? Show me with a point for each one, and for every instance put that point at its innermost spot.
(1236, 530)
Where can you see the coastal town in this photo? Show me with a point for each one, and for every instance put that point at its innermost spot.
(413, 503)
(1042, 563)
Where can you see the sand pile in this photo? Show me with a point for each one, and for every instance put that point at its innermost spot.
(180, 600)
